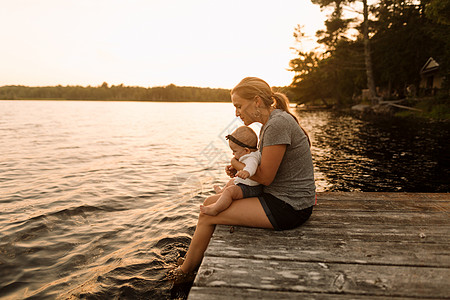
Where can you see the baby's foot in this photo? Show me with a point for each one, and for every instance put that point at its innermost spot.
(208, 210)
(217, 189)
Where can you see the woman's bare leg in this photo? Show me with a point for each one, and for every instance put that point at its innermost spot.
(231, 193)
(243, 212)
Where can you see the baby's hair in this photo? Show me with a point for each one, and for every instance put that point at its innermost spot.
(246, 135)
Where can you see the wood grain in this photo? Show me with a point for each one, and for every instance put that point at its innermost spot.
(355, 246)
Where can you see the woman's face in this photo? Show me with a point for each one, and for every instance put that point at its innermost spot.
(245, 109)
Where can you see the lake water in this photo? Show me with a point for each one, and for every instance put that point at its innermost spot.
(98, 199)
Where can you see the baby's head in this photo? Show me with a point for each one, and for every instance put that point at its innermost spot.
(242, 141)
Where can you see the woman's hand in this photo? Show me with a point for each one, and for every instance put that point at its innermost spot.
(230, 171)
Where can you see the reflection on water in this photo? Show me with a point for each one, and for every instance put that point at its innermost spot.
(98, 199)
(386, 155)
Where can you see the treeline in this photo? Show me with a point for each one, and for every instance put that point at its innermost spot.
(115, 93)
(402, 35)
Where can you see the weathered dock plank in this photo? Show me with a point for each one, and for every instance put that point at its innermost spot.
(421, 234)
(224, 293)
(355, 246)
(358, 196)
(346, 278)
(379, 217)
(338, 250)
(385, 205)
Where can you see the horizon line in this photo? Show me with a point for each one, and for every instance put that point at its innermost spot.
(112, 85)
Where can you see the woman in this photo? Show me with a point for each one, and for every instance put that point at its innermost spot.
(286, 171)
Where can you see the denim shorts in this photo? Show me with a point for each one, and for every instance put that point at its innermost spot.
(281, 215)
(250, 191)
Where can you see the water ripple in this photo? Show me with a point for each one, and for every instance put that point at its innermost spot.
(99, 199)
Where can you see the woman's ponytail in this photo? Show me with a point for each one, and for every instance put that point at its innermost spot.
(282, 102)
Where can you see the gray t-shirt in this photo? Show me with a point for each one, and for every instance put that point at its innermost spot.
(294, 181)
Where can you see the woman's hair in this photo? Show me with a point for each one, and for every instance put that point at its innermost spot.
(250, 87)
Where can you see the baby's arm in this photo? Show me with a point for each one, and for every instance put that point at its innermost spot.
(237, 164)
(243, 174)
(251, 164)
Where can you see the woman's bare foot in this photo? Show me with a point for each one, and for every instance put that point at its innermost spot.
(209, 210)
(217, 189)
(178, 276)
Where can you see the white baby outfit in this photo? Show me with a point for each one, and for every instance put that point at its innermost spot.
(251, 162)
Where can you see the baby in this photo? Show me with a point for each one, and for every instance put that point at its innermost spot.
(243, 142)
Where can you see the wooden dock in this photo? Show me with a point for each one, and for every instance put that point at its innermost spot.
(355, 246)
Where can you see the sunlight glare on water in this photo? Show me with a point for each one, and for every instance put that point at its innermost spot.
(93, 191)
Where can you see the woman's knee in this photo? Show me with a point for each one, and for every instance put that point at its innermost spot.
(204, 219)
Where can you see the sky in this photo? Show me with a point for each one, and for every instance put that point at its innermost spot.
(204, 43)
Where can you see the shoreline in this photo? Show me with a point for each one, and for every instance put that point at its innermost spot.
(119, 100)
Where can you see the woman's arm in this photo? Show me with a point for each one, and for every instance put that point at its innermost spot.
(271, 158)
